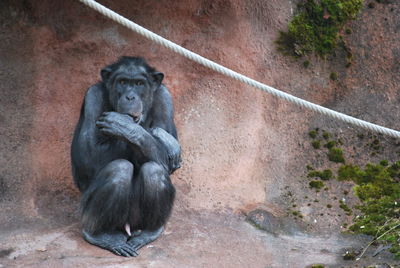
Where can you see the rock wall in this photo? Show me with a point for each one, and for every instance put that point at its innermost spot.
(240, 146)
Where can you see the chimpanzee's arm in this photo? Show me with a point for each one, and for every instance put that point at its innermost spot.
(163, 126)
(86, 151)
(159, 145)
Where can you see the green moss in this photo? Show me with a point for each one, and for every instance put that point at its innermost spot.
(296, 214)
(350, 255)
(346, 208)
(316, 144)
(330, 144)
(333, 76)
(378, 188)
(326, 135)
(306, 63)
(384, 163)
(313, 134)
(335, 154)
(316, 25)
(323, 175)
(316, 184)
(317, 266)
(348, 172)
(348, 31)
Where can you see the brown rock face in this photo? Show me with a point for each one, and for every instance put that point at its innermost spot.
(241, 147)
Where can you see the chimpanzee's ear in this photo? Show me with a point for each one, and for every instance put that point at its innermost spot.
(158, 77)
(105, 74)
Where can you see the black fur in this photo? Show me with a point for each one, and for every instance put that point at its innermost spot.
(125, 146)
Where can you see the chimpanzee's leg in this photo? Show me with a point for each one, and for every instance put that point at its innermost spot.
(156, 196)
(106, 207)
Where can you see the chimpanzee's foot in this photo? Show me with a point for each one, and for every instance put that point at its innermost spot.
(116, 242)
(143, 238)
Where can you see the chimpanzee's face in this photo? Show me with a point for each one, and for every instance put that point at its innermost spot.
(131, 89)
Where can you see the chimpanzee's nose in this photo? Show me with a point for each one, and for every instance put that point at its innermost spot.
(130, 97)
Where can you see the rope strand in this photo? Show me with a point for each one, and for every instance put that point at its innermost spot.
(230, 73)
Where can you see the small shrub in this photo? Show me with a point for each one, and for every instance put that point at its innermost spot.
(384, 163)
(346, 208)
(316, 184)
(326, 135)
(349, 172)
(317, 266)
(315, 27)
(333, 76)
(335, 154)
(316, 144)
(350, 255)
(313, 134)
(330, 144)
(323, 175)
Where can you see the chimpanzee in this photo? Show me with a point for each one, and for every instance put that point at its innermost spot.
(125, 146)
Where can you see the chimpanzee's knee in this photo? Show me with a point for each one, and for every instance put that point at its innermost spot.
(154, 176)
(157, 195)
(117, 171)
(106, 203)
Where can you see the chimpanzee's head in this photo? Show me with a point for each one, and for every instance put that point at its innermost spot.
(131, 83)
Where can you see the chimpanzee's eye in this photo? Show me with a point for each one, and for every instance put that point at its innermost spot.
(139, 83)
(122, 81)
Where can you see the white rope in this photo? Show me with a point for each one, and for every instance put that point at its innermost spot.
(221, 69)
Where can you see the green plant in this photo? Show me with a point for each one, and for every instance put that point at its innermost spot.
(348, 172)
(315, 27)
(325, 175)
(333, 76)
(316, 144)
(326, 135)
(335, 154)
(345, 207)
(317, 266)
(384, 163)
(313, 134)
(378, 188)
(330, 144)
(308, 167)
(316, 184)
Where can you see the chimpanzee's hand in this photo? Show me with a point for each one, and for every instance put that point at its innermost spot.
(172, 146)
(118, 125)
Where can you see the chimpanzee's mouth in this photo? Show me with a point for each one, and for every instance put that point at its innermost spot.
(136, 118)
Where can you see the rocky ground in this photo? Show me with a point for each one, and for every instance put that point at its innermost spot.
(243, 150)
